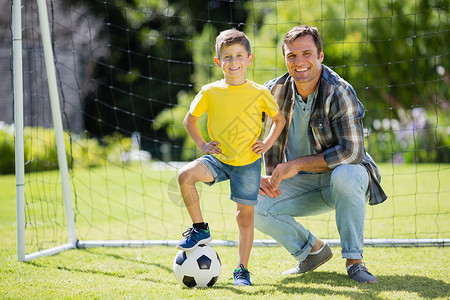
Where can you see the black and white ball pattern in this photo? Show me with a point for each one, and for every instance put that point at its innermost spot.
(200, 267)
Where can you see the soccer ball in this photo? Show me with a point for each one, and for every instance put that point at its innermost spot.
(200, 267)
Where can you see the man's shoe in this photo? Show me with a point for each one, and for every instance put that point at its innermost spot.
(241, 276)
(194, 237)
(311, 262)
(359, 273)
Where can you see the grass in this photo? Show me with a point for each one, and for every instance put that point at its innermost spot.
(403, 273)
(419, 200)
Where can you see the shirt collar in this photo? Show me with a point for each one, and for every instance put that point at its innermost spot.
(311, 96)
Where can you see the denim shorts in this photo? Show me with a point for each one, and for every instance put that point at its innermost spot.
(244, 180)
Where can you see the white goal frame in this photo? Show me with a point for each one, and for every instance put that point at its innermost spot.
(72, 241)
(19, 136)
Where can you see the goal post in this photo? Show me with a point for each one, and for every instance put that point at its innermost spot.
(18, 127)
(58, 129)
(103, 188)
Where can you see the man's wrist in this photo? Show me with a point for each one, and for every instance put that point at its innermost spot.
(298, 164)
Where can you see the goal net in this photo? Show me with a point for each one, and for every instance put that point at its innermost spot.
(106, 84)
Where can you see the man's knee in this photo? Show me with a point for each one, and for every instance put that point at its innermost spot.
(347, 178)
(261, 213)
(262, 207)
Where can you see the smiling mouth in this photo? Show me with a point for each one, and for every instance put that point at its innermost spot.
(234, 69)
(300, 70)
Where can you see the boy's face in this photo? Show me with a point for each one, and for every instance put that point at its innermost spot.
(233, 61)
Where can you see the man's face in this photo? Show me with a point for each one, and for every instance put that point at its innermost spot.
(302, 60)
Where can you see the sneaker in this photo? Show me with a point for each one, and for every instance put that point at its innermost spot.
(241, 276)
(311, 262)
(359, 273)
(194, 237)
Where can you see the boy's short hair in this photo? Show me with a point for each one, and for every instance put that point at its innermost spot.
(231, 37)
(300, 31)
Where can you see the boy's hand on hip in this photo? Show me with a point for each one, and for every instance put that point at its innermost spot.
(211, 148)
(259, 147)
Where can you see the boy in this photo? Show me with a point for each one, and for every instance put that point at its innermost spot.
(234, 105)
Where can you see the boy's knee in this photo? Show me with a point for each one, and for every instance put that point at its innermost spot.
(185, 176)
(245, 218)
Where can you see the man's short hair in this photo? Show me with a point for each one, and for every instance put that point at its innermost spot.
(231, 37)
(300, 31)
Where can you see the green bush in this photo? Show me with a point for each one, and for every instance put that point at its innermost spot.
(90, 152)
(40, 152)
(6, 152)
(40, 149)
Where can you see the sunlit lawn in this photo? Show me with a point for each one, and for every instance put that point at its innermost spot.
(418, 207)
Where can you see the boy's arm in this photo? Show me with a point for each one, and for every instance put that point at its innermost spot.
(262, 146)
(190, 123)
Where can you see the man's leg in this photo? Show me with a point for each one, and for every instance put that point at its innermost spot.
(348, 194)
(301, 195)
(349, 191)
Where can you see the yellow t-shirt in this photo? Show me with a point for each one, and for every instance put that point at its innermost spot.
(234, 117)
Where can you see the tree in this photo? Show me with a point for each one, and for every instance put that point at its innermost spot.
(149, 62)
(394, 53)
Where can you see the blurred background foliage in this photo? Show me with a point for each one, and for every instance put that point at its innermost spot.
(160, 53)
(394, 53)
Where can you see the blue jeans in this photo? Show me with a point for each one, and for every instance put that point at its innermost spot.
(345, 189)
(244, 180)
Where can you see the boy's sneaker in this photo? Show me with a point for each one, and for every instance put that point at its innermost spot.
(194, 237)
(241, 276)
(359, 273)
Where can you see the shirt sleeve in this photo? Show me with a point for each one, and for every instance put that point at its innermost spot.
(345, 124)
(269, 105)
(199, 105)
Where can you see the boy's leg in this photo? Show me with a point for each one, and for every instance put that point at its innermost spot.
(244, 218)
(187, 177)
(244, 186)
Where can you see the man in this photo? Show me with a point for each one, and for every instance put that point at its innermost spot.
(319, 162)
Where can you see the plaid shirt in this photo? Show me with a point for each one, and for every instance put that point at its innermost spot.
(335, 126)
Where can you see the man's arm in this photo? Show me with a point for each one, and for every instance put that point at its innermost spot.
(346, 128)
(349, 142)
(312, 163)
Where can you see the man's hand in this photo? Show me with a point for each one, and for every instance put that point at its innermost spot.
(283, 171)
(311, 163)
(265, 188)
(211, 148)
